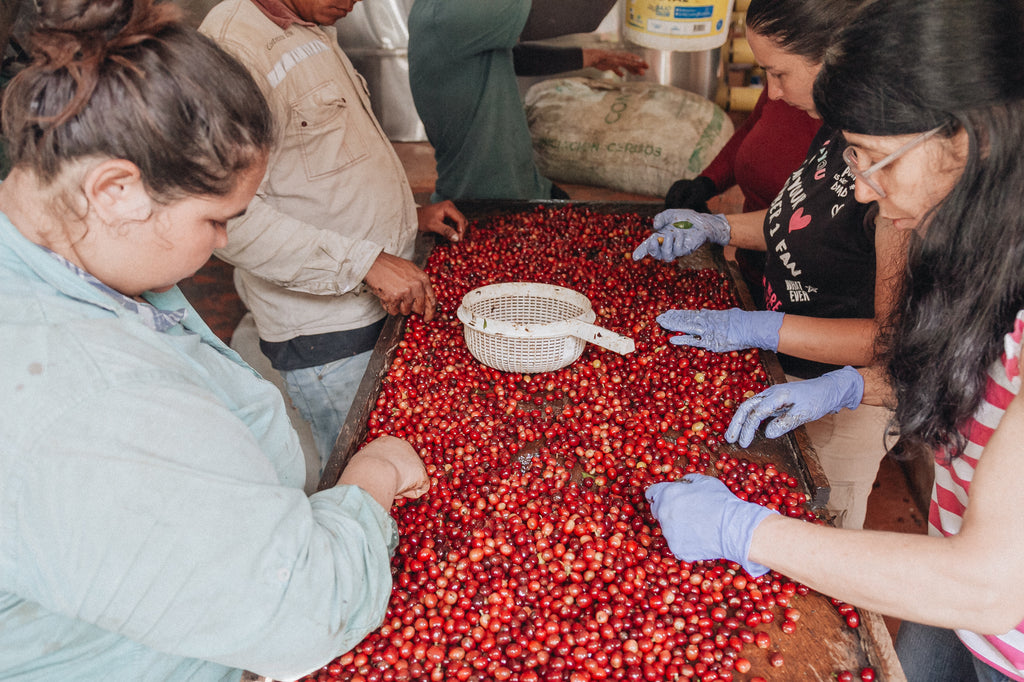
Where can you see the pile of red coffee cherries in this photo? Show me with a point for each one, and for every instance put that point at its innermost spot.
(534, 555)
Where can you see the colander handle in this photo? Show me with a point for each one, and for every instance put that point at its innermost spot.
(599, 336)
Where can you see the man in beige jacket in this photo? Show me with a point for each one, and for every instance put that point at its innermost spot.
(322, 253)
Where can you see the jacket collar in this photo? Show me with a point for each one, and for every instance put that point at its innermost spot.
(278, 13)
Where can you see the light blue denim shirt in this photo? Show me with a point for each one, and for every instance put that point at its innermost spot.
(152, 520)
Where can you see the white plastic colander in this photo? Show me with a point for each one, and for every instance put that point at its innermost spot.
(530, 327)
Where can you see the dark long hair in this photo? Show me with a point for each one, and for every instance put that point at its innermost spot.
(907, 66)
(801, 27)
(129, 80)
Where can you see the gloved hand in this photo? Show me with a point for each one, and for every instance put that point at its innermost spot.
(701, 519)
(724, 330)
(796, 403)
(691, 194)
(681, 231)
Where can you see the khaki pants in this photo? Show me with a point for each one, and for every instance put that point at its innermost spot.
(850, 445)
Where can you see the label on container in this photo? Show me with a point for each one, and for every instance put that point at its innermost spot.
(685, 25)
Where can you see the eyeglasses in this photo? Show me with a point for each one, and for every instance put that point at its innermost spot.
(850, 157)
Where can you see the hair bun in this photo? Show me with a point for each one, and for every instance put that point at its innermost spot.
(105, 17)
(74, 39)
(70, 31)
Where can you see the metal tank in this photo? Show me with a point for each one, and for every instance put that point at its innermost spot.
(375, 36)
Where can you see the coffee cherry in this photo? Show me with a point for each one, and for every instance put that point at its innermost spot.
(534, 555)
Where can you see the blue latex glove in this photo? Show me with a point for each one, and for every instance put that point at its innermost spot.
(681, 231)
(796, 403)
(701, 519)
(724, 330)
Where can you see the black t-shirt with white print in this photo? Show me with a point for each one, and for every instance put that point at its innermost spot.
(821, 245)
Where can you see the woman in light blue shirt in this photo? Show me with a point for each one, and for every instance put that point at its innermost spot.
(152, 518)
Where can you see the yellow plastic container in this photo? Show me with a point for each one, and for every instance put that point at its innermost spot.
(739, 98)
(681, 25)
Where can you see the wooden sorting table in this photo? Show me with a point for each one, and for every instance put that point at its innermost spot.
(823, 644)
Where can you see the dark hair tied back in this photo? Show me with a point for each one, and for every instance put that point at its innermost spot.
(80, 36)
(106, 17)
(129, 80)
(801, 27)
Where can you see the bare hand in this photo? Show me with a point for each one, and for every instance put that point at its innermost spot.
(387, 468)
(444, 219)
(401, 286)
(618, 61)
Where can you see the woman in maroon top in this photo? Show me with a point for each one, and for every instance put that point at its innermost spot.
(759, 157)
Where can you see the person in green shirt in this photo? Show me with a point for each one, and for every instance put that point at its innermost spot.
(464, 57)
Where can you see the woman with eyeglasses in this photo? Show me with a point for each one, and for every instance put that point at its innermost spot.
(830, 261)
(930, 97)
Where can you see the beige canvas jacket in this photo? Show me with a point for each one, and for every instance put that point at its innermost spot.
(335, 193)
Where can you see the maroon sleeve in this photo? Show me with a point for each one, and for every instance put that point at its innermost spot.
(771, 151)
(721, 170)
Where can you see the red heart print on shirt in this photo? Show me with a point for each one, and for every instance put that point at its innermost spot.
(798, 220)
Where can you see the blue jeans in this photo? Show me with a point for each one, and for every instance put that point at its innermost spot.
(323, 395)
(930, 654)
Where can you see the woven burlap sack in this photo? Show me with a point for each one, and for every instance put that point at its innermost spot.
(630, 136)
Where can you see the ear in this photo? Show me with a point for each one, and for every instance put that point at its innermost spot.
(115, 191)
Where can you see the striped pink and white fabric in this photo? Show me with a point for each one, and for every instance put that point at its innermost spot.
(953, 481)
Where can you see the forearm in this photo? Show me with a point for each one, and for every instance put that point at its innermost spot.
(746, 230)
(845, 341)
(914, 577)
(877, 389)
(294, 254)
(376, 477)
(530, 59)
(969, 580)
